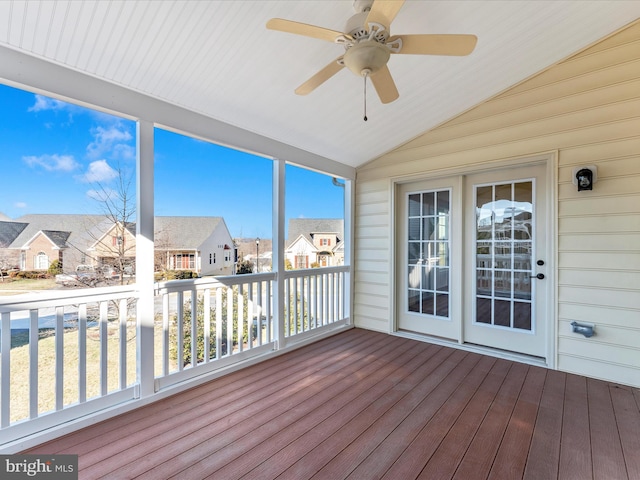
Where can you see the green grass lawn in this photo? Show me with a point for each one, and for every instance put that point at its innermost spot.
(46, 366)
(11, 286)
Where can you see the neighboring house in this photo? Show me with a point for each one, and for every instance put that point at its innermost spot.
(9, 231)
(315, 241)
(201, 244)
(34, 242)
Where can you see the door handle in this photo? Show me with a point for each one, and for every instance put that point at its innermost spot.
(539, 276)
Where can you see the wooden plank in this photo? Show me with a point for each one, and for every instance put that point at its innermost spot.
(628, 421)
(245, 413)
(608, 458)
(445, 460)
(381, 416)
(575, 443)
(370, 405)
(409, 415)
(511, 458)
(299, 438)
(544, 454)
(426, 431)
(481, 453)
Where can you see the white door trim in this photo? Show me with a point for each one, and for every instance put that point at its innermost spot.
(550, 159)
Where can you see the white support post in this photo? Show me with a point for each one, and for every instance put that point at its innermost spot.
(144, 258)
(349, 202)
(278, 250)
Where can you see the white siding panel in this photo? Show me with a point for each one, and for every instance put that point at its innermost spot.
(599, 350)
(600, 242)
(599, 278)
(603, 260)
(612, 372)
(598, 314)
(605, 334)
(587, 109)
(601, 223)
(610, 297)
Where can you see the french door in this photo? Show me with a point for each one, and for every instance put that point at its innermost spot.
(471, 259)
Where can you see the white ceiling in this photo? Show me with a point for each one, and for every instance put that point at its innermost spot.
(217, 58)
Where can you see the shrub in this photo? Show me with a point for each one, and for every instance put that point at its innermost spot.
(55, 268)
(175, 275)
(29, 274)
(187, 334)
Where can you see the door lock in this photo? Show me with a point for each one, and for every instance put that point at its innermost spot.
(539, 276)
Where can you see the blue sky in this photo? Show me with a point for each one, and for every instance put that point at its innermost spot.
(60, 158)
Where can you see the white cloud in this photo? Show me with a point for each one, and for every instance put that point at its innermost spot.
(46, 103)
(20, 205)
(112, 141)
(99, 171)
(55, 162)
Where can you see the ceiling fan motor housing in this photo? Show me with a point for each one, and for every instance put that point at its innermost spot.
(366, 57)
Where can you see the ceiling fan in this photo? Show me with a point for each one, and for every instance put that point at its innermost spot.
(368, 44)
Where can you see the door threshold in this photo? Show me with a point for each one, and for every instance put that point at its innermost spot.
(480, 349)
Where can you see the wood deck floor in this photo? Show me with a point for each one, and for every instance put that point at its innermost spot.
(364, 405)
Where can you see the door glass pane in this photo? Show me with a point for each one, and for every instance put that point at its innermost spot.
(504, 247)
(428, 203)
(414, 205)
(428, 246)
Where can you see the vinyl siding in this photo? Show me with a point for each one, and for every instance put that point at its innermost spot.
(587, 109)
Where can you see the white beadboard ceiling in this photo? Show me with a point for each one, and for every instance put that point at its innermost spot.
(217, 58)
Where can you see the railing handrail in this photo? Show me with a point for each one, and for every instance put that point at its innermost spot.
(169, 286)
(53, 298)
(301, 272)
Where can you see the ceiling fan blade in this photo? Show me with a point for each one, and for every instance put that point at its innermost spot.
(384, 11)
(436, 44)
(319, 78)
(298, 28)
(384, 85)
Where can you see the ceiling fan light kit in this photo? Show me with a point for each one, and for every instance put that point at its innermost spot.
(368, 45)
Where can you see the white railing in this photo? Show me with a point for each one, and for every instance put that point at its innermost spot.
(77, 353)
(233, 320)
(70, 353)
(315, 299)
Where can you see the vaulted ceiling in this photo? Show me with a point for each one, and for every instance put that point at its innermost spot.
(217, 58)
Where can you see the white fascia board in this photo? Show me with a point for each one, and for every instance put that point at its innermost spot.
(25, 71)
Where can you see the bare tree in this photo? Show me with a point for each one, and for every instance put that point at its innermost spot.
(116, 247)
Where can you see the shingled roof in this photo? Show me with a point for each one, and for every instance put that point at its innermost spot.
(184, 232)
(9, 231)
(307, 227)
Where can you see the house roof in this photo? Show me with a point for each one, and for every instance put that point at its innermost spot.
(82, 231)
(9, 231)
(79, 229)
(58, 238)
(218, 59)
(307, 227)
(184, 232)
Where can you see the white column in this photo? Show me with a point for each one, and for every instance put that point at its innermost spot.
(144, 258)
(349, 202)
(278, 250)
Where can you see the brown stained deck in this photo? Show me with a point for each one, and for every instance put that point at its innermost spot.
(364, 405)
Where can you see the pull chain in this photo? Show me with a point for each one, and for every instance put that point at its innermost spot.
(365, 95)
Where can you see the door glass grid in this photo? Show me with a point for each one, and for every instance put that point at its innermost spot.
(428, 236)
(504, 247)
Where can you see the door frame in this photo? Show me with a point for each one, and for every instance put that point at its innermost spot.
(550, 160)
